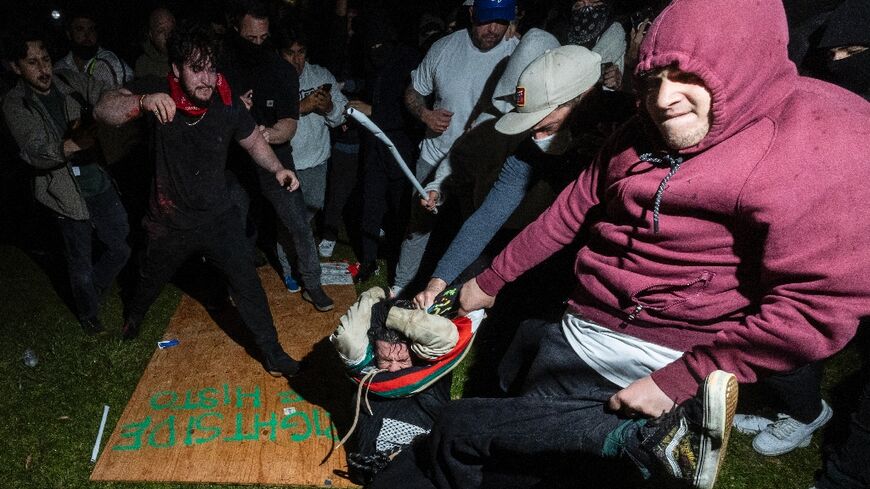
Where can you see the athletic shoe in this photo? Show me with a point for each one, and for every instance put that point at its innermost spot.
(280, 364)
(326, 247)
(291, 284)
(318, 297)
(786, 433)
(750, 424)
(396, 291)
(689, 442)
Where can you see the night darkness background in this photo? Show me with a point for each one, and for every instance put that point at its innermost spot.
(122, 23)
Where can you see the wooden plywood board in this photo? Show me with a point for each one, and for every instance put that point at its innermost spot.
(206, 411)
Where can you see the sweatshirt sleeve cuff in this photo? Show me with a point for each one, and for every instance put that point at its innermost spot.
(490, 282)
(677, 381)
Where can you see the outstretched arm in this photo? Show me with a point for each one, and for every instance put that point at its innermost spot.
(117, 107)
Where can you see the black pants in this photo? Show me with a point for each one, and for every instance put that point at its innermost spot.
(848, 467)
(559, 421)
(291, 211)
(341, 181)
(799, 392)
(385, 189)
(221, 241)
(89, 279)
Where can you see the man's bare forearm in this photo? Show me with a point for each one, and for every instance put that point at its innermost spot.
(282, 131)
(415, 103)
(261, 152)
(117, 107)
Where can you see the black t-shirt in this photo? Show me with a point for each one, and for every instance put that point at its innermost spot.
(276, 91)
(190, 155)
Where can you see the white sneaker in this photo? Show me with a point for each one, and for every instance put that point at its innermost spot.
(395, 291)
(785, 434)
(750, 424)
(326, 247)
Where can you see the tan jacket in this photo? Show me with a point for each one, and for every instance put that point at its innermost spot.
(40, 140)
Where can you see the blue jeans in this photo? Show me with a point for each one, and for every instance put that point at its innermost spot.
(478, 230)
(90, 279)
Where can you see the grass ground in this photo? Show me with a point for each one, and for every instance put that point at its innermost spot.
(50, 413)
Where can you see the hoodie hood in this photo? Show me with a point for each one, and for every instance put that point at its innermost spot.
(740, 53)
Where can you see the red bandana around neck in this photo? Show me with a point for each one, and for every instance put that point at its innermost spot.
(187, 107)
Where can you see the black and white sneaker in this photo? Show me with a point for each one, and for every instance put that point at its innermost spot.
(689, 442)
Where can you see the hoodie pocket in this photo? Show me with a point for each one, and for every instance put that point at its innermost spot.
(664, 296)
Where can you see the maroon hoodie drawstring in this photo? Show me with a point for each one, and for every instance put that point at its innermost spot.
(674, 164)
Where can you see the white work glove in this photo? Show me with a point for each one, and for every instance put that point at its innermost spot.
(431, 336)
(350, 338)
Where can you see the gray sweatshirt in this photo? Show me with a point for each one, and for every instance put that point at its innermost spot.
(311, 143)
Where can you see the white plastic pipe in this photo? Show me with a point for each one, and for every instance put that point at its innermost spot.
(378, 133)
(96, 449)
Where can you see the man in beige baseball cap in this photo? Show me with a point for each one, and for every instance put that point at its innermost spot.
(547, 92)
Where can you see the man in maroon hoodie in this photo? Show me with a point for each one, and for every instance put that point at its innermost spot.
(725, 233)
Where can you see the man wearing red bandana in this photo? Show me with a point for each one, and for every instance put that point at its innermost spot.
(193, 117)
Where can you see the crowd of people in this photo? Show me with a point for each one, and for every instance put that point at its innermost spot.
(702, 161)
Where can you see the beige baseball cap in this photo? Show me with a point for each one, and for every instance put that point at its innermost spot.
(554, 78)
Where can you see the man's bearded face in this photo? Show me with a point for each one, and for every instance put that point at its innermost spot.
(35, 67)
(489, 35)
(198, 79)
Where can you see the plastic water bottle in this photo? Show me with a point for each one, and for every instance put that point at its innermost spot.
(30, 358)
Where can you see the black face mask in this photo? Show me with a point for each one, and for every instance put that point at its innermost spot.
(252, 54)
(852, 73)
(587, 24)
(84, 52)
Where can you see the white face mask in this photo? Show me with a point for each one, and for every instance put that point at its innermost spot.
(554, 144)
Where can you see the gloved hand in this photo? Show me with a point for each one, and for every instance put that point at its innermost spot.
(431, 336)
(351, 336)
